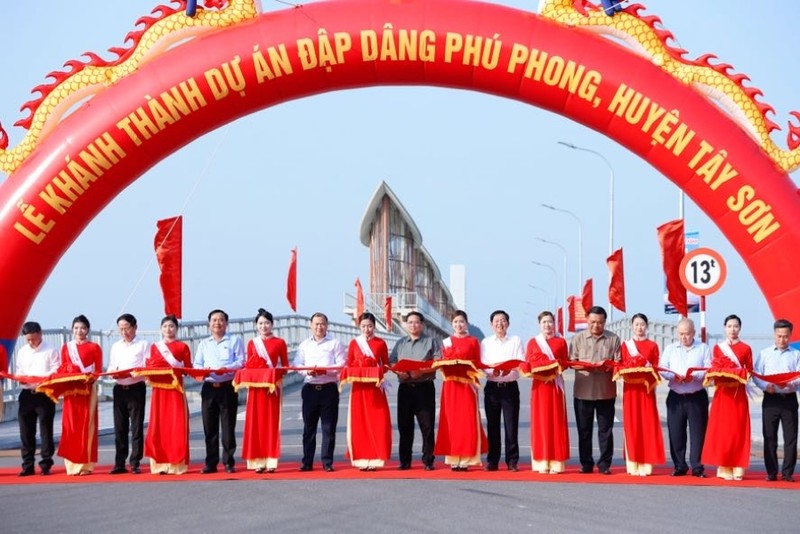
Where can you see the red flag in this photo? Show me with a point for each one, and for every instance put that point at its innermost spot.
(387, 310)
(359, 299)
(616, 287)
(560, 319)
(671, 239)
(587, 297)
(169, 244)
(291, 281)
(570, 314)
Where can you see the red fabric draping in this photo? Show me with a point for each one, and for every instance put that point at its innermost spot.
(673, 247)
(359, 299)
(169, 253)
(587, 296)
(616, 287)
(291, 281)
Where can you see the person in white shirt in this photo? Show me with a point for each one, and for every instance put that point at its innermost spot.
(35, 359)
(687, 401)
(320, 392)
(779, 406)
(129, 395)
(501, 392)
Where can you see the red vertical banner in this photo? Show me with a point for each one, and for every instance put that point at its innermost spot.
(359, 299)
(168, 245)
(291, 281)
(560, 320)
(570, 314)
(387, 310)
(587, 297)
(673, 247)
(616, 287)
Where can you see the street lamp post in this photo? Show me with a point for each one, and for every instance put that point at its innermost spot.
(555, 282)
(565, 264)
(610, 204)
(555, 296)
(580, 239)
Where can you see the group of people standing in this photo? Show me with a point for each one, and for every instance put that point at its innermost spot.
(224, 363)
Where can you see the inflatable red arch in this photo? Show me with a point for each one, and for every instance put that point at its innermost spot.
(64, 173)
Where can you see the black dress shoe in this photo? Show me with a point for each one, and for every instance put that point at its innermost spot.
(230, 469)
(45, 471)
(513, 467)
(327, 468)
(429, 467)
(679, 473)
(27, 472)
(490, 467)
(699, 474)
(788, 478)
(305, 468)
(404, 467)
(207, 470)
(605, 471)
(586, 469)
(260, 470)
(136, 470)
(118, 471)
(771, 478)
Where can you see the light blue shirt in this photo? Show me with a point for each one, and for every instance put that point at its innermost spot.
(228, 352)
(772, 361)
(680, 359)
(327, 352)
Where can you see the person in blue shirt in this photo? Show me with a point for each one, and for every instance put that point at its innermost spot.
(219, 400)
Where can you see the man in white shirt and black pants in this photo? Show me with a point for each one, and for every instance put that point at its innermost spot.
(129, 395)
(39, 359)
(320, 392)
(779, 406)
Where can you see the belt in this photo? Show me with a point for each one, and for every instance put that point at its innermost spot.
(319, 387)
(781, 394)
(415, 384)
(688, 394)
(502, 384)
(218, 385)
(130, 386)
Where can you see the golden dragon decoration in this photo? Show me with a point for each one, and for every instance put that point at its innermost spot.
(717, 81)
(167, 25)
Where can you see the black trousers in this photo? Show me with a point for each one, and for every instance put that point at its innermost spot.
(687, 409)
(778, 409)
(129, 404)
(320, 403)
(502, 398)
(33, 407)
(417, 399)
(585, 412)
(219, 403)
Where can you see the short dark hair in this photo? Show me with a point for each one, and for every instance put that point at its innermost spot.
(544, 314)
(265, 314)
(213, 312)
(783, 323)
(128, 318)
(81, 319)
(319, 314)
(730, 317)
(170, 319)
(499, 312)
(459, 313)
(597, 310)
(367, 316)
(418, 314)
(641, 316)
(31, 327)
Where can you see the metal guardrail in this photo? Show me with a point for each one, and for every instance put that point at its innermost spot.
(294, 329)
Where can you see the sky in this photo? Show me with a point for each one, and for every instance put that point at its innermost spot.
(472, 169)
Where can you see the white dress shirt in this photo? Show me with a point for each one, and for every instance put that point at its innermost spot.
(495, 350)
(327, 352)
(42, 361)
(772, 361)
(679, 359)
(126, 355)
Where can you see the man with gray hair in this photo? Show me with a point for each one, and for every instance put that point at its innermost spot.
(687, 401)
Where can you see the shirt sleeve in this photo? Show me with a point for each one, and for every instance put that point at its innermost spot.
(199, 360)
(395, 350)
(665, 363)
(339, 354)
(53, 361)
(300, 356)
(238, 353)
(758, 367)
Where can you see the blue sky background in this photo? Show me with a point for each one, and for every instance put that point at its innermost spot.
(471, 168)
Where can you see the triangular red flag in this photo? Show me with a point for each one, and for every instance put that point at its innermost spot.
(169, 245)
(616, 287)
(291, 281)
(673, 247)
(359, 299)
(387, 310)
(587, 297)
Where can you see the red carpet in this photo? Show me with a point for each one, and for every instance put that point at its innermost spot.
(344, 471)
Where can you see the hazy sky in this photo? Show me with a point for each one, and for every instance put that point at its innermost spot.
(471, 168)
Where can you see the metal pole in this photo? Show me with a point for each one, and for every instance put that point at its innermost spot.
(580, 238)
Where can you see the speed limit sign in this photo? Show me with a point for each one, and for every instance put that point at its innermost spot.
(703, 271)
